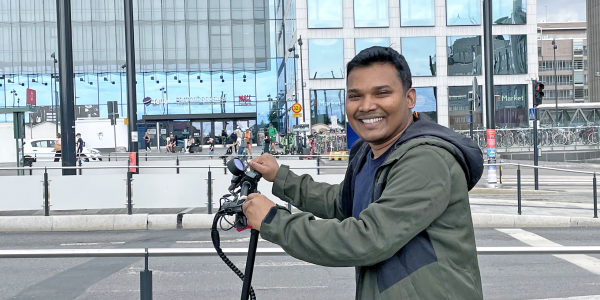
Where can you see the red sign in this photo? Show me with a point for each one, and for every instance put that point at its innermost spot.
(31, 97)
(132, 162)
(245, 100)
(296, 107)
(491, 138)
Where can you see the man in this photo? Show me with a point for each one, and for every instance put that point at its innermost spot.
(211, 147)
(402, 214)
(79, 148)
(272, 136)
(171, 144)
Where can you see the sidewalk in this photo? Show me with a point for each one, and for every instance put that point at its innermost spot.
(486, 213)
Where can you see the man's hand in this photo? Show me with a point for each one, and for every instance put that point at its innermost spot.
(256, 207)
(266, 165)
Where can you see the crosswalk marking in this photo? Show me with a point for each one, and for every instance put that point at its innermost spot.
(584, 261)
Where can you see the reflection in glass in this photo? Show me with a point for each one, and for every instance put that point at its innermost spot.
(510, 54)
(420, 55)
(464, 55)
(463, 12)
(459, 105)
(371, 13)
(177, 90)
(156, 92)
(362, 44)
(328, 107)
(427, 102)
(511, 105)
(417, 13)
(326, 58)
(200, 89)
(325, 14)
(509, 11)
(245, 92)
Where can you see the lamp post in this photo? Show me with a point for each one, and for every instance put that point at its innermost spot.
(293, 49)
(14, 93)
(55, 92)
(302, 85)
(555, 80)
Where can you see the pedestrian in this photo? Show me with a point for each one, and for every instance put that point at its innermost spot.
(57, 148)
(79, 148)
(273, 136)
(248, 136)
(266, 141)
(240, 142)
(211, 147)
(171, 143)
(402, 215)
(147, 139)
(223, 137)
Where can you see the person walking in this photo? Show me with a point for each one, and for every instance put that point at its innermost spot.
(224, 137)
(79, 149)
(57, 148)
(248, 136)
(266, 142)
(147, 139)
(401, 216)
(211, 147)
(272, 136)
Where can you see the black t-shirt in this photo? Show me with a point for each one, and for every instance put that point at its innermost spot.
(79, 144)
(211, 146)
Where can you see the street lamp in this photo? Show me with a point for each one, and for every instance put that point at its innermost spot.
(555, 80)
(293, 49)
(14, 93)
(302, 85)
(55, 92)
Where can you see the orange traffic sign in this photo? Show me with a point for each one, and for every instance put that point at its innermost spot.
(296, 107)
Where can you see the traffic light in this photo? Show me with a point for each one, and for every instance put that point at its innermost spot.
(538, 93)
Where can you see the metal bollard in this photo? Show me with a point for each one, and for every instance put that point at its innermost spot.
(519, 188)
(146, 156)
(177, 163)
(318, 165)
(129, 194)
(595, 198)
(108, 156)
(146, 281)
(225, 164)
(30, 170)
(80, 167)
(46, 193)
(209, 190)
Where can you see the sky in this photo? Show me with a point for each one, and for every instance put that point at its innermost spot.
(570, 10)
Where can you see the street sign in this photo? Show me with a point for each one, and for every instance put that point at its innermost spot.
(301, 128)
(296, 108)
(126, 121)
(297, 115)
(532, 114)
(31, 99)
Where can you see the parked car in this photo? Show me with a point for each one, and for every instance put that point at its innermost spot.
(44, 149)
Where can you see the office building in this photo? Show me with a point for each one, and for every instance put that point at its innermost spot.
(442, 42)
(571, 61)
(593, 36)
(201, 66)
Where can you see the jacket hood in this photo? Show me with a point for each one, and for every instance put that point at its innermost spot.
(466, 152)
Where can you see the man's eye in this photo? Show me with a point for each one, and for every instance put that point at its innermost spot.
(353, 96)
(383, 93)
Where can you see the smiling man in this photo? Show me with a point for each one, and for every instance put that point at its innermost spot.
(402, 214)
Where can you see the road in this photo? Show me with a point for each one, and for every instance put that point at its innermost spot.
(503, 277)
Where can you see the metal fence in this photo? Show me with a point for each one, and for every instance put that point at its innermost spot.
(549, 136)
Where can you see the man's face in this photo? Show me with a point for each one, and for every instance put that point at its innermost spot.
(377, 106)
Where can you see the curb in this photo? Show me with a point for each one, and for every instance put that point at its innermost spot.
(204, 221)
(497, 191)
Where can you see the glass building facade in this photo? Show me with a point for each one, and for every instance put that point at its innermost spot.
(209, 62)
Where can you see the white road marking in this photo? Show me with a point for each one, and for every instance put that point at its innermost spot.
(92, 244)
(596, 297)
(584, 261)
(242, 240)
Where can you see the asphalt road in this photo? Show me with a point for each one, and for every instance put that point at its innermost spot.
(503, 277)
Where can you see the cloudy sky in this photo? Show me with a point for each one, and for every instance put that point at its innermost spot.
(561, 10)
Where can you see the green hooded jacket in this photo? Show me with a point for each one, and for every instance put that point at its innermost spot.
(414, 241)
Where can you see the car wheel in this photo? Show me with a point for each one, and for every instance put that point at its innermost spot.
(100, 159)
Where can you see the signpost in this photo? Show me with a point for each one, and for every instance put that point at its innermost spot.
(297, 110)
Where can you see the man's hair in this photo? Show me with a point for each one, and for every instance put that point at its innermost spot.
(78, 134)
(381, 55)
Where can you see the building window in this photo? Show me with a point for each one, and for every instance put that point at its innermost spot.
(510, 54)
(562, 80)
(463, 12)
(328, 107)
(578, 63)
(459, 106)
(371, 13)
(362, 44)
(550, 94)
(427, 102)
(509, 11)
(420, 55)
(511, 105)
(417, 13)
(577, 47)
(325, 14)
(464, 55)
(578, 77)
(326, 58)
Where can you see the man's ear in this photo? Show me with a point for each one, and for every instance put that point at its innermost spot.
(411, 98)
